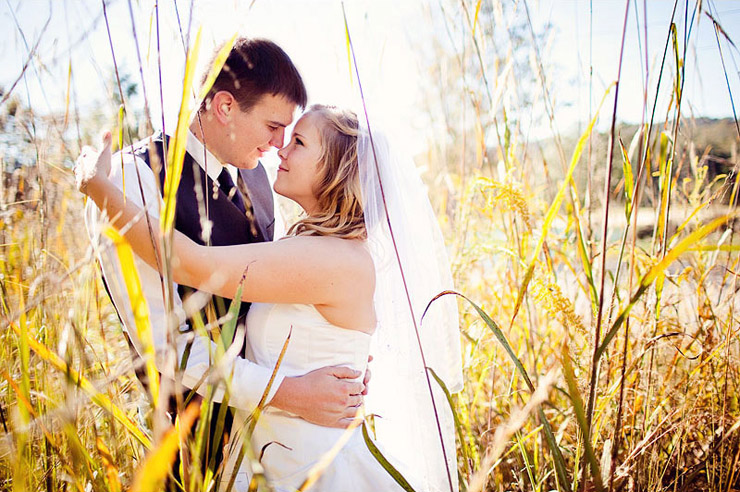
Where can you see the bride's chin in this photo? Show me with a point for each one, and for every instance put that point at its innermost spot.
(278, 189)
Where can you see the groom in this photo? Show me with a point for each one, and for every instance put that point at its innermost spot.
(224, 198)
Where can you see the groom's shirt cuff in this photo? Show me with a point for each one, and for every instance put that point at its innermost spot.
(248, 380)
(249, 384)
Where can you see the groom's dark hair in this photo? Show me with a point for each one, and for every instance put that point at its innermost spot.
(254, 68)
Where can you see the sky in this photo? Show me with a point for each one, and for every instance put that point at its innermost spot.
(312, 33)
(391, 39)
(705, 88)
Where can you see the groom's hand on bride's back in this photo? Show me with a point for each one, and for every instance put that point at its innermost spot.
(329, 396)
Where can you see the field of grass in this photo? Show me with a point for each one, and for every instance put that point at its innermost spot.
(600, 325)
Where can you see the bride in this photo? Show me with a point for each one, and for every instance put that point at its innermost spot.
(351, 278)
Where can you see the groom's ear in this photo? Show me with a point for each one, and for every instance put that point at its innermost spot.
(222, 105)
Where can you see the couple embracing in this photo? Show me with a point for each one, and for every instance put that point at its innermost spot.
(348, 282)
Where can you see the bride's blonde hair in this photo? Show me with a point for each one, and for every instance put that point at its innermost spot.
(338, 190)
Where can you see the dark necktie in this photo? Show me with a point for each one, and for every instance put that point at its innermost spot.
(227, 186)
(239, 196)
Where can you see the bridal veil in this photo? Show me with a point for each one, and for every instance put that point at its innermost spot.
(412, 267)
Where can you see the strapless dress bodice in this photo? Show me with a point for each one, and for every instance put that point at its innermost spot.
(314, 341)
(287, 446)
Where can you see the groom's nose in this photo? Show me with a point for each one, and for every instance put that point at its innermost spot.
(278, 136)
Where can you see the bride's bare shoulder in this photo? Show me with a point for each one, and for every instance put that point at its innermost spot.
(347, 254)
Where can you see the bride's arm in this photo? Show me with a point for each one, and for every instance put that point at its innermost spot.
(308, 270)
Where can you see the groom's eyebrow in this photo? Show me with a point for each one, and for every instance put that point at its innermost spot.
(278, 123)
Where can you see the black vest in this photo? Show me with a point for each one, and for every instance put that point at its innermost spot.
(230, 226)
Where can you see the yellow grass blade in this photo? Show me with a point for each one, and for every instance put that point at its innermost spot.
(79, 454)
(663, 166)
(713, 247)
(328, 457)
(657, 271)
(475, 19)
(25, 356)
(19, 394)
(111, 472)
(699, 234)
(555, 206)
(83, 383)
(66, 96)
(676, 54)
(152, 473)
(29, 408)
(176, 148)
(119, 133)
(120, 146)
(218, 64)
(50, 438)
(261, 405)
(687, 221)
(139, 307)
(151, 31)
(349, 50)
(629, 181)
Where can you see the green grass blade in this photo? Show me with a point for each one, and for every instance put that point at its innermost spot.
(392, 471)
(586, 264)
(577, 400)
(527, 462)
(229, 327)
(455, 416)
(557, 455)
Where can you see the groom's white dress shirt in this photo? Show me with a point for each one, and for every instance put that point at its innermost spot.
(248, 380)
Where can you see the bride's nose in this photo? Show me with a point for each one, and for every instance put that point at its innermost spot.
(283, 153)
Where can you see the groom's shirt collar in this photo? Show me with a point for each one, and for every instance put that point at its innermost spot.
(206, 160)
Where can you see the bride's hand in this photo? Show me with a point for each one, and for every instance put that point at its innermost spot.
(92, 165)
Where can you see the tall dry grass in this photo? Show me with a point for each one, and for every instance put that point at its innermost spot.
(600, 330)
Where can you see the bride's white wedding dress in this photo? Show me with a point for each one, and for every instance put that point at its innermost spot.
(414, 427)
(286, 445)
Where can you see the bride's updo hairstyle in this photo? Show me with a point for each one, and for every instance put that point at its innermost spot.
(338, 188)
